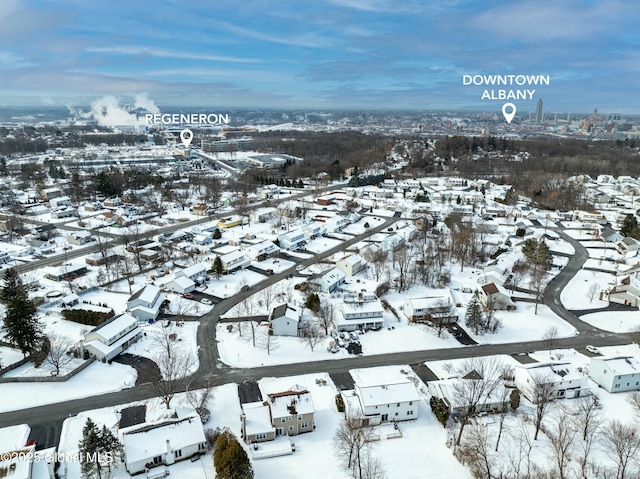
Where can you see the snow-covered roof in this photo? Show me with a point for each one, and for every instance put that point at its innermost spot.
(150, 440)
(183, 282)
(257, 418)
(107, 349)
(193, 270)
(114, 326)
(387, 393)
(621, 365)
(294, 401)
(146, 294)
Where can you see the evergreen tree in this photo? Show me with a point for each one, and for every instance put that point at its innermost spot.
(630, 227)
(89, 447)
(20, 321)
(230, 459)
(12, 285)
(473, 317)
(218, 267)
(217, 234)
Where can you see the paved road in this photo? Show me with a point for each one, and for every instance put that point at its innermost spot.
(213, 372)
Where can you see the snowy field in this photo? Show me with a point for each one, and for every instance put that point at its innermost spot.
(616, 322)
(576, 295)
(97, 379)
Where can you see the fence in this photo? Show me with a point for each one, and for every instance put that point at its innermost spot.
(43, 379)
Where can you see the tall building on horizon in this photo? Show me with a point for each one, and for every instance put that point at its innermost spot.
(539, 112)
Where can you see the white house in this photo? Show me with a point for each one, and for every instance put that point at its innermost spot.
(181, 285)
(330, 281)
(256, 422)
(336, 224)
(351, 264)
(616, 373)
(112, 337)
(365, 312)
(285, 320)
(234, 261)
(80, 237)
(261, 251)
(498, 398)
(292, 240)
(195, 272)
(494, 296)
(626, 292)
(383, 402)
(162, 443)
(144, 304)
(314, 230)
(567, 381)
(434, 309)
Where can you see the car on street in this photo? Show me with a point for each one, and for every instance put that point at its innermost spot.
(187, 296)
(300, 267)
(206, 301)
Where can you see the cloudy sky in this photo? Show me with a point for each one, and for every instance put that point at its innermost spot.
(388, 54)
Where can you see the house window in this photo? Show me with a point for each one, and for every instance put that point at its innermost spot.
(157, 460)
(178, 453)
(283, 420)
(261, 436)
(410, 403)
(616, 386)
(299, 418)
(396, 414)
(200, 446)
(304, 425)
(410, 413)
(290, 428)
(289, 419)
(398, 405)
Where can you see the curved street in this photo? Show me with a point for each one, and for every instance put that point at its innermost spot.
(212, 372)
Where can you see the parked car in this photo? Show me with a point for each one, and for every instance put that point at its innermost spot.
(206, 301)
(353, 336)
(300, 267)
(592, 349)
(187, 296)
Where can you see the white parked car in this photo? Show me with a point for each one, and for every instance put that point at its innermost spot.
(206, 301)
(300, 267)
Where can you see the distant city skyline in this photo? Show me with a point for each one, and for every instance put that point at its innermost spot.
(329, 54)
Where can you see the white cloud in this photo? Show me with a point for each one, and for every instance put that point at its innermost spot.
(156, 52)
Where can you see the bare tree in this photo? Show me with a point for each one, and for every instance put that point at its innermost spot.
(477, 453)
(326, 316)
(588, 421)
(377, 257)
(479, 378)
(267, 340)
(505, 396)
(518, 273)
(550, 336)
(561, 436)
(350, 441)
(59, 352)
(593, 290)
(543, 393)
(623, 442)
(268, 296)
(174, 369)
(198, 399)
(402, 259)
(519, 452)
(634, 400)
(127, 269)
(312, 335)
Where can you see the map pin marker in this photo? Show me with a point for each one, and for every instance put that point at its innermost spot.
(186, 136)
(509, 116)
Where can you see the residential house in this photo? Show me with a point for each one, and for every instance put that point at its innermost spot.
(181, 285)
(434, 309)
(392, 242)
(196, 272)
(351, 264)
(50, 193)
(233, 261)
(64, 212)
(112, 337)
(284, 320)
(566, 380)
(330, 281)
(361, 312)
(626, 292)
(497, 397)
(106, 257)
(628, 246)
(616, 373)
(201, 210)
(376, 403)
(292, 240)
(80, 238)
(144, 304)
(494, 296)
(336, 224)
(165, 442)
(292, 411)
(257, 425)
(261, 251)
(232, 221)
(66, 272)
(60, 201)
(314, 230)
(44, 232)
(24, 462)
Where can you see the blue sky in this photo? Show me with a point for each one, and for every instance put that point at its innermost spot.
(388, 54)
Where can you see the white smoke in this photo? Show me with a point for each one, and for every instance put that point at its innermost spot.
(108, 111)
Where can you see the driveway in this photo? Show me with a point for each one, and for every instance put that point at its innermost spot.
(147, 370)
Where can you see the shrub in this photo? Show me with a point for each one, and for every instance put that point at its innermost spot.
(339, 402)
(85, 316)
